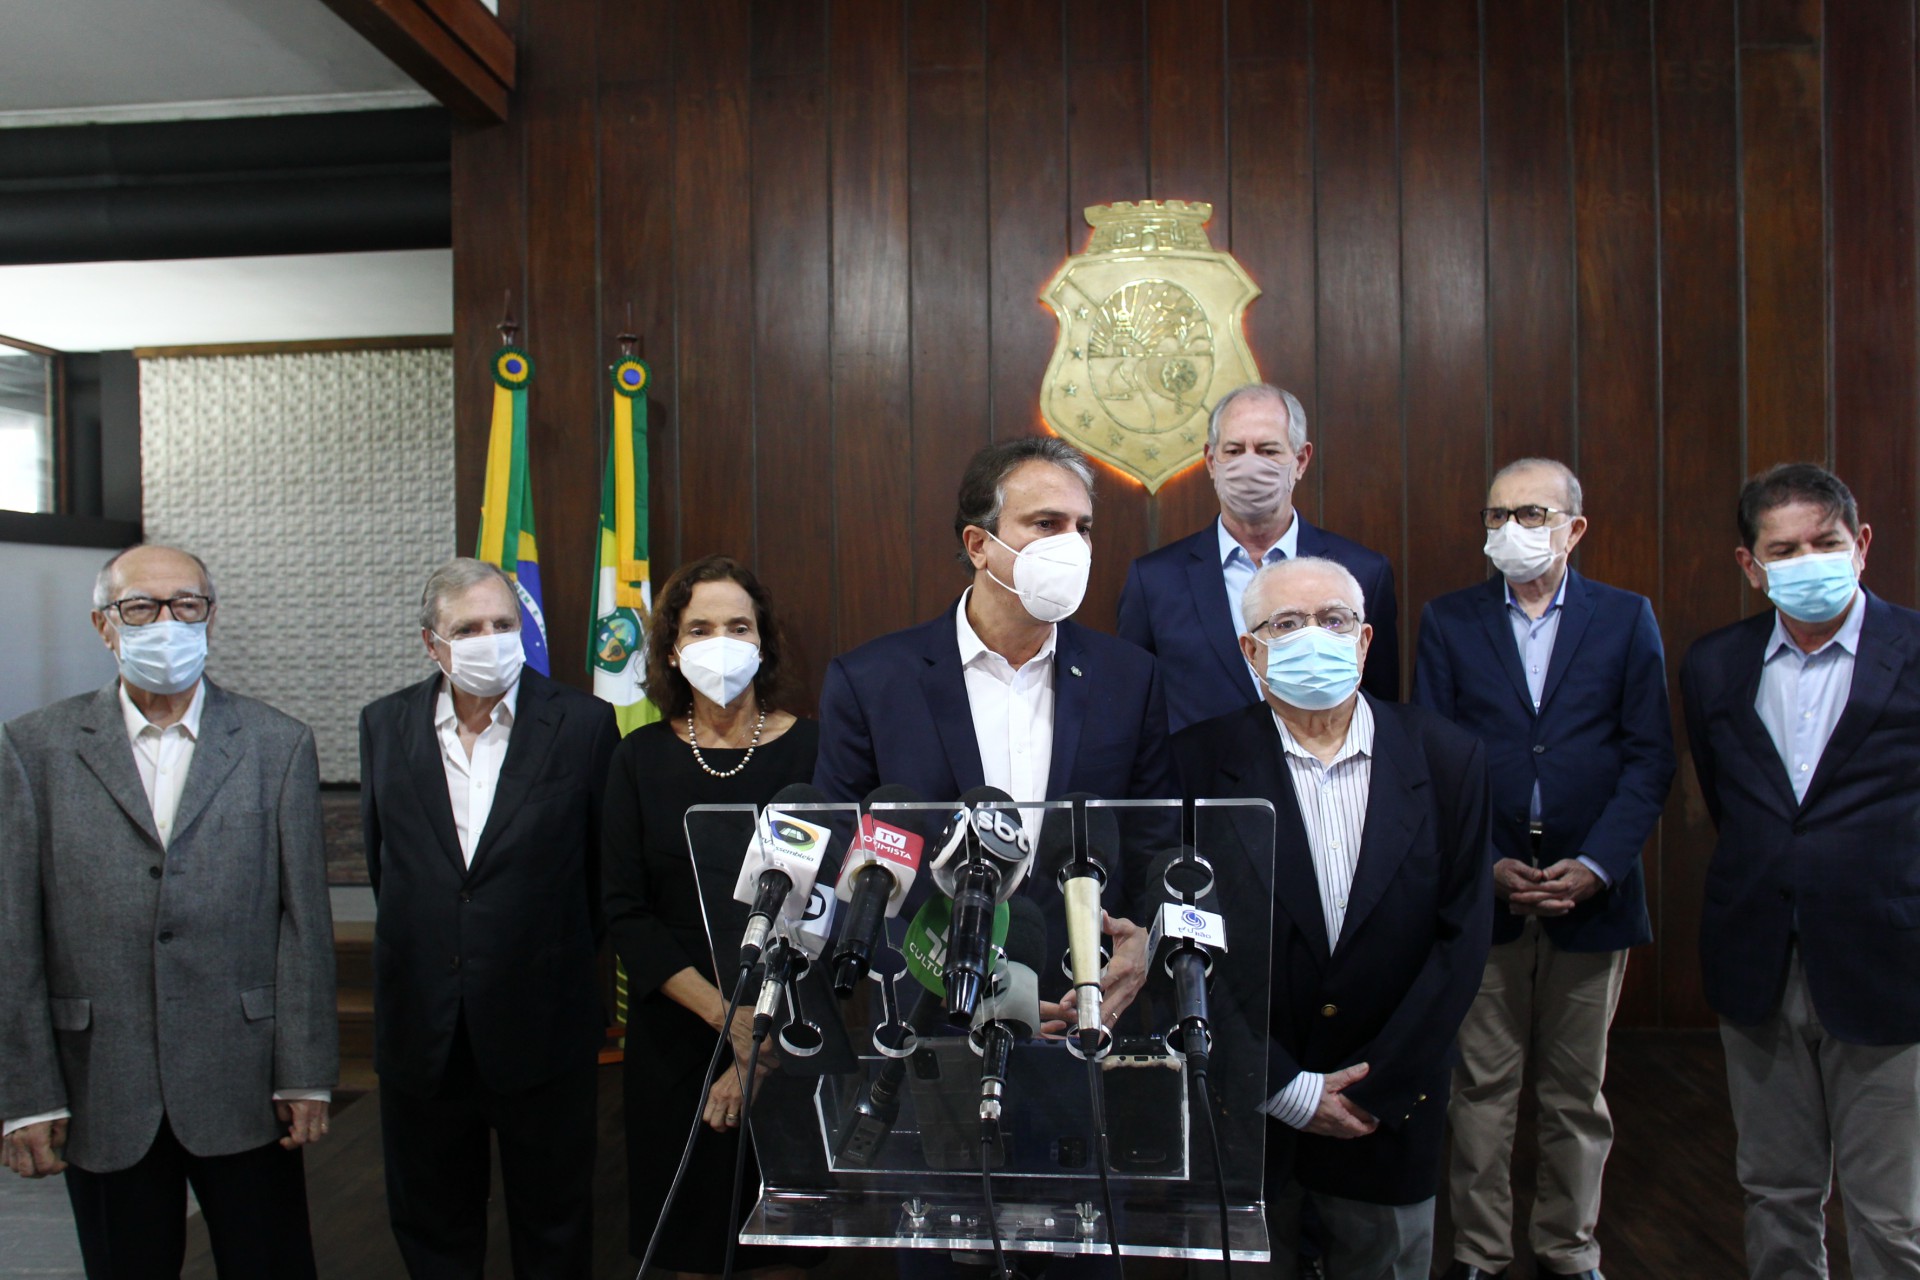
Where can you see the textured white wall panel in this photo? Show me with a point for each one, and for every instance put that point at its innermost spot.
(319, 489)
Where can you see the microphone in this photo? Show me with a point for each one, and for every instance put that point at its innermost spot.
(773, 985)
(879, 869)
(1012, 1012)
(877, 1110)
(1081, 880)
(984, 857)
(1185, 938)
(781, 863)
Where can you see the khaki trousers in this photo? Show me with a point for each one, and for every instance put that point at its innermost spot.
(1554, 1007)
(1807, 1105)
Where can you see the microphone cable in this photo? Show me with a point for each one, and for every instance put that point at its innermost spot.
(1000, 1271)
(686, 1154)
(1097, 1092)
(1204, 1086)
(740, 1157)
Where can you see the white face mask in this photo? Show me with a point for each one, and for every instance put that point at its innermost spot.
(1519, 553)
(721, 667)
(484, 666)
(1050, 575)
(164, 656)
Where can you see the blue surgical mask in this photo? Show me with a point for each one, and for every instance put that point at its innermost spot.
(1815, 588)
(1314, 669)
(164, 656)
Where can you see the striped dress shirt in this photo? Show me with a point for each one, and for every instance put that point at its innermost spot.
(1333, 808)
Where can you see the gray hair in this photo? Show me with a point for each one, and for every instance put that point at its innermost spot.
(453, 578)
(1570, 481)
(1296, 416)
(103, 581)
(1288, 568)
(983, 489)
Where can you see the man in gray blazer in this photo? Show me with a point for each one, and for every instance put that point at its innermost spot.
(166, 946)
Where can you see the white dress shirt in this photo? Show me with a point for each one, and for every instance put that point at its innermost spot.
(1333, 808)
(471, 781)
(1012, 715)
(1802, 694)
(1237, 570)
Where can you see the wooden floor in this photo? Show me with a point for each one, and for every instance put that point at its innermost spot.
(1672, 1206)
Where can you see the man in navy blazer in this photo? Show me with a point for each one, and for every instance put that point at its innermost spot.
(1565, 682)
(1181, 603)
(1377, 891)
(1002, 690)
(1804, 723)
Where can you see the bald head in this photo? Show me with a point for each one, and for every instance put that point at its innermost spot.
(154, 571)
(1306, 584)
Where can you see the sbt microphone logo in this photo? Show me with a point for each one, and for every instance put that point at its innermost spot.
(1002, 827)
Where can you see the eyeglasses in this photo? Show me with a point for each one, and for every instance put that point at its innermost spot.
(1530, 517)
(1339, 621)
(138, 611)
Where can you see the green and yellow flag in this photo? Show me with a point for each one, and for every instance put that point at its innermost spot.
(506, 503)
(623, 596)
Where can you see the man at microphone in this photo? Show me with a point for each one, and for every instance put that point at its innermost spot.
(1379, 892)
(1002, 690)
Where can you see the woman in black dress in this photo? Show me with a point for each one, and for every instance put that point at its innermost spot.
(714, 669)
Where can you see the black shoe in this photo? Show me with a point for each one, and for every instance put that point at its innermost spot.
(1461, 1271)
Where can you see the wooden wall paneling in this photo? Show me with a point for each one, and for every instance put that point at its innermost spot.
(713, 278)
(1765, 22)
(1870, 131)
(1616, 248)
(1031, 226)
(949, 266)
(1107, 158)
(1359, 441)
(489, 228)
(1701, 436)
(1529, 222)
(561, 318)
(1444, 314)
(872, 443)
(1784, 241)
(635, 124)
(1187, 160)
(792, 340)
(1270, 175)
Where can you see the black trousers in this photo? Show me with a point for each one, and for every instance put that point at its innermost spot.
(438, 1171)
(133, 1222)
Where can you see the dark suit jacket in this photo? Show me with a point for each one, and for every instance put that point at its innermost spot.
(895, 710)
(1843, 866)
(511, 941)
(1409, 959)
(1601, 748)
(1175, 607)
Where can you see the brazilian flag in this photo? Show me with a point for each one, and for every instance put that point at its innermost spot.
(506, 504)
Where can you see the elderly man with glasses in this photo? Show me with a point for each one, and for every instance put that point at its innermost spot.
(1564, 681)
(166, 945)
(1377, 889)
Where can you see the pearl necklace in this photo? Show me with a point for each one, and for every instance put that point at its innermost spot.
(694, 742)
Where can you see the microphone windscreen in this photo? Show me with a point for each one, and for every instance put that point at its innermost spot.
(799, 793)
(890, 793)
(1026, 934)
(984, 795)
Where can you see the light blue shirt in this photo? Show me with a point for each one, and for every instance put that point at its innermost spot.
(1802, 694)
(1238, 571)
(1534, 637)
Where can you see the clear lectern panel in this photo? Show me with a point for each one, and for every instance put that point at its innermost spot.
(870, 1130)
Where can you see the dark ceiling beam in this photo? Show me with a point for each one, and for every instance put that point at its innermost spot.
(454, 49)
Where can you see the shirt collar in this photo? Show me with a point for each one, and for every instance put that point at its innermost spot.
(1359, 735)
(972, 647)
(1289, 543)
(1559, 595)
(503, 710)
(1847, 637)
(137, 722)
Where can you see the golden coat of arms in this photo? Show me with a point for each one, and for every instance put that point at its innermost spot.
(1149, 337)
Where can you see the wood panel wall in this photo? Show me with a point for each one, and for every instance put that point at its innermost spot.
(1671, 243)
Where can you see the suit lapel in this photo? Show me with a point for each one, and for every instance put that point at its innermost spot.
(1749, 727)
(1219, 621)
(215, 752)
(104, 748)
(944, 686)
(536, 722)
(1492, 608)
(1876, 670)
(427, 768)
(1073, 674)
(1393, 813)
(1576, 611)
(1254, 762)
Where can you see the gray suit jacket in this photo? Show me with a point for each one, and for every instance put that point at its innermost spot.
(134, 981)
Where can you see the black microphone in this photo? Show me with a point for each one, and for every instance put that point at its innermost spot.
(880, 867)
(877, 1110)
(985, 856)
(1012, 1012)
(781, 863)
(1185, 938)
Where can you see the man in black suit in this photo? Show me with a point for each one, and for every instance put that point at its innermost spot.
(1380, 899)
(1804, 722)
(1182, 602)
(481, 789)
